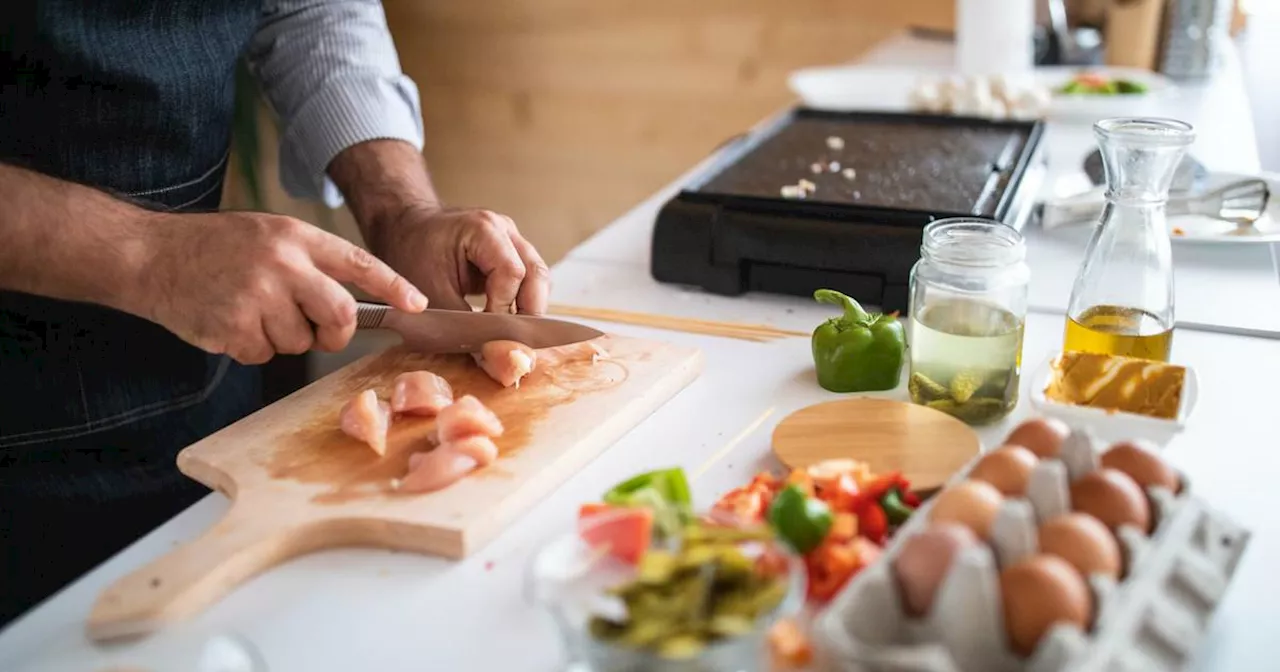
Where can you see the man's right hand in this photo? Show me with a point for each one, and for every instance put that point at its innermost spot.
(252, 285)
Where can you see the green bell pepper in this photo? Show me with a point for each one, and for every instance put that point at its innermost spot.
(665, 492)
(857, 351)
(802, 521)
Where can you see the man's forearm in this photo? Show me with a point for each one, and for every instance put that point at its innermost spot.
(68, 241)
(380, 180)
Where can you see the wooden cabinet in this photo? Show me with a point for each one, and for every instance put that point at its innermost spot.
(565, 113)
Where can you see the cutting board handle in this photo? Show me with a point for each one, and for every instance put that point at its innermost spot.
(197, 573)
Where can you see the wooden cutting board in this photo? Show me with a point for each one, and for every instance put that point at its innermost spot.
(925, 444)
(297, 484)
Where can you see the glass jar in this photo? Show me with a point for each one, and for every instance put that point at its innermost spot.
(1122, 298)
(968, 307)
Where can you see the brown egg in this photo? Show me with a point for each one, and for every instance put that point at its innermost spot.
(922, 563)
(973, 504)
(1042, 436)
(1038, 592)
(1008, 468)
(1142, 465)
(1084, 542)
(1113, 498)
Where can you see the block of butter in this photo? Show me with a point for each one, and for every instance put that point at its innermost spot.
(1117, 384)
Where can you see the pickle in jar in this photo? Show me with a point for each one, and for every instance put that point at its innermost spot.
(965, 359)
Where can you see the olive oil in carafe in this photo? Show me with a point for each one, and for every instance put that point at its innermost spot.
(1120, 331)
(966, 359)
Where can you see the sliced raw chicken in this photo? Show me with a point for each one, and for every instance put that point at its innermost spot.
(435, 470)
(506, 361)
(420, 393)
(367, 419)
(466, 417)
(574, 352)
(478, 447)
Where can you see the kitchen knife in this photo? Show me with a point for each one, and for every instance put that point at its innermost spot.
(456, 331)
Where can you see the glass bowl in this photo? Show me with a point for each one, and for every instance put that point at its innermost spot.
(572, 581)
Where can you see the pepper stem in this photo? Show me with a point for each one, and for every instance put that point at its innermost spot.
(853, 311)
(897, 511)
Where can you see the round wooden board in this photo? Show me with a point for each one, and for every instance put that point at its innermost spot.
(926, 445)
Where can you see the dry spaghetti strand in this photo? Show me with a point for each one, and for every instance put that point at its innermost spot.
(759, 333)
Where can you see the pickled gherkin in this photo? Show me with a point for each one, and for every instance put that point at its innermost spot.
(683, 600)
(966, 358)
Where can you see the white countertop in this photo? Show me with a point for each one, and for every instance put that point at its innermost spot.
(1235, 288)
(375, 610)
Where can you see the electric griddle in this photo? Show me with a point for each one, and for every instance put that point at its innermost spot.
(859, 188)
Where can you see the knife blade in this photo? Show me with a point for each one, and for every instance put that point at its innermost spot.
(461, 331)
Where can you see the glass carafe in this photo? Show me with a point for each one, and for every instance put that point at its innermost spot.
(1122, 300)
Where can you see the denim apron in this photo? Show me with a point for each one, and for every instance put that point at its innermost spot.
(134, 97)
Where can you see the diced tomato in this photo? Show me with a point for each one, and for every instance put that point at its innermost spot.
(748, 503)
(832, 564)
(801, 478)
(789, 646)
(771, 563)
(839, 492)
(1092, 79)
(626, 532)
(844, 527)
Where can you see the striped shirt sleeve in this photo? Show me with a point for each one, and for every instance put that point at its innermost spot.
(331, 74)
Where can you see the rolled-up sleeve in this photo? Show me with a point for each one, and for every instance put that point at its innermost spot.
(331, 73)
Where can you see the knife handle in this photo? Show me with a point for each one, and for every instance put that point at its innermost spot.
(370, 315)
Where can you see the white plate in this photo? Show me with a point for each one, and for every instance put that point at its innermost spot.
(1112, 426)
(1198, 229)
(888, 89)
(1090, 108)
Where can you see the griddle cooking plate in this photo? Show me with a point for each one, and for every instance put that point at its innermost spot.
(731, 230)
(902, 162)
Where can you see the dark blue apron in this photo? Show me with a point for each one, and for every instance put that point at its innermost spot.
(134, 97)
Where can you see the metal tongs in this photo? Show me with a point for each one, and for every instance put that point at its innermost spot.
(1241, 203)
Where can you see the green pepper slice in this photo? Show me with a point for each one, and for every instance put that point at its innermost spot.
(801, 521)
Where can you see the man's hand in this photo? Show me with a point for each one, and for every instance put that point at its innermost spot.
(450, 253)
(447, 253)
(252, 285)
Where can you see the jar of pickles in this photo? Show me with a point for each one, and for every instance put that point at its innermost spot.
(968, 306)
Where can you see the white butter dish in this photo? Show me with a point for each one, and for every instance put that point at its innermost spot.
(1113, 426)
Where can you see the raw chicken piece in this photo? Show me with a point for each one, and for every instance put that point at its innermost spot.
(367, 418)
(477, 446)
(466, 417)
(506, 361)
(435, 470)
(420, 393)
(574, 352)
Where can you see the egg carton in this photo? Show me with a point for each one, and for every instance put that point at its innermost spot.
(1152, 619)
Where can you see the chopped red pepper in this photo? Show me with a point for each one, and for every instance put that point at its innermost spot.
(833, 564)
(873, 523)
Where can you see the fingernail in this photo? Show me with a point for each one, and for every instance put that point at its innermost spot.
(417, 300)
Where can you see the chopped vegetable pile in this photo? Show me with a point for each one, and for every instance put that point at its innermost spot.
(837, 514)
(700, 581)
(1088, 83)
(711, 588)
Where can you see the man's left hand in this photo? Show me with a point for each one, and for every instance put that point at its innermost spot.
(449, 253)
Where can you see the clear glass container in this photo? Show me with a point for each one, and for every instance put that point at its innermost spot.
(1122, 300)
(968, 307)
(575, 582)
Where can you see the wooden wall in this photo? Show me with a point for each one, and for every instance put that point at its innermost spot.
(565, 113)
